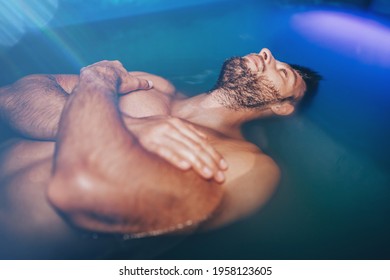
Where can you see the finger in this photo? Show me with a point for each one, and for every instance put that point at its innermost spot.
(217, 157)
(173, 149)
(173, 158)
(198, 151)
(127, 82)
(110, 70)
(183, 158)
(198, 166)
(193, 154)
(197, 131)
(179, 156)
(184, 161)
(204, 162)
(130, 83)
(191, 132)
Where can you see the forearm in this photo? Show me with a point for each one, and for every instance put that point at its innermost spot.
(32, 106)
(89, 138)
(90, 125)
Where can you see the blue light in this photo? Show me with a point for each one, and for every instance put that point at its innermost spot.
(18, 16)
(363, 38)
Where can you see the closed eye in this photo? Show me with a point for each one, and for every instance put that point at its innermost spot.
(284, 71)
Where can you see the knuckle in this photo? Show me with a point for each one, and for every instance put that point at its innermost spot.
(147, 143)
(199, 166)
(163, 152)
(213, 152)
(197, 147)
(164, 127)
(207, 159)
(138, 82)
(175, 160)
(210, 149)
(217, 155)
(191, 157)
(174, 120)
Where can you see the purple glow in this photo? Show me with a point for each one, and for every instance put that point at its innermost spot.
(362, 38)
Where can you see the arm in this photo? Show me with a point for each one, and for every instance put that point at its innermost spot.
(32, 106)
(104, 181)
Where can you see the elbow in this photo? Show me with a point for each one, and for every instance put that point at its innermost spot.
(94, 203)
(81, 200)
(68, 194)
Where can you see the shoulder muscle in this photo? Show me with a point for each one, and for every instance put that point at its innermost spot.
(248, 191)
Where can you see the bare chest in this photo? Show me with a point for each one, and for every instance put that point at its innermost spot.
(145, 104)
(240, 155)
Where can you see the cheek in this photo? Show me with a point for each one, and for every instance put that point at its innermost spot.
(280, 85)
(270, 83)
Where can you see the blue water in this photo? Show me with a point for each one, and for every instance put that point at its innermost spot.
(333, 198)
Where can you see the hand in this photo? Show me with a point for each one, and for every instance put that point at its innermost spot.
(180, 143)
(114, 76)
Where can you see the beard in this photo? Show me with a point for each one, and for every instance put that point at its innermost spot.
(239, 88)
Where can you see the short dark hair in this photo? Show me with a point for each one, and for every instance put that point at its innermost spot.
(311, 79)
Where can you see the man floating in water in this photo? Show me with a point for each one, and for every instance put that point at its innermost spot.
(123, 153)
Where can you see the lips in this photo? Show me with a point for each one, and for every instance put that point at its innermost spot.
(257, 61)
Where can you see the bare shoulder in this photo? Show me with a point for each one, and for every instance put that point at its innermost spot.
(244, 157)
(248, 162)
(262, 161)
(264, 174)
(251, 180)
(159, 83)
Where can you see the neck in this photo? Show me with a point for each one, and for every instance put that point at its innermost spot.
(207, 111)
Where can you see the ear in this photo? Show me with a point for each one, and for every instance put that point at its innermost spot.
(283, 109)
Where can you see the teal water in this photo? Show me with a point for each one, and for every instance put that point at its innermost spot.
(332, 202)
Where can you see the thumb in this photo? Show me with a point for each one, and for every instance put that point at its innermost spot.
(131, 83)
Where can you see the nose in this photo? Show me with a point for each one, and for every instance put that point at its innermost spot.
(267, 55)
